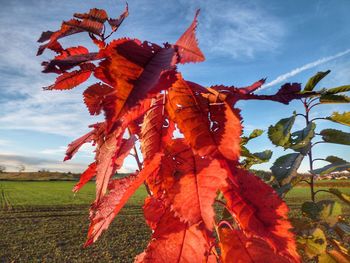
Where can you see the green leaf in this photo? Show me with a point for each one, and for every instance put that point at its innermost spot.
(335, 136)
(312, 82)
(326, 258)
(279, 134)
(335, 159)
(342, 118)
(330, 98)
(286, 166)
(339, 89)
(344, 197)
(330, 211)
(331, 168)
(257, 158)
(300, 140)
(314, 242)
(245, 152)
(311, 210)
(263, 156)
(325, 210)
(255, 133)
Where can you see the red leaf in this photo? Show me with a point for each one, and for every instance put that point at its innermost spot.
(156, 129)
(196, 181)
(72, 79)
(125, 148)
(102, 213)
(153, 210)
(91, 22)
(115, 23)
(133, 69)
(95, 97)
(260, 211)
(72, 51)
(85, 177)
(227, 129)
(253, 87)
(231, 94)
(74, 146)
(64, 31)
(105, 161)
(174, 241)
(133, 115)
(187, 45)
(236, 247)
(62, 64)
(205, 128)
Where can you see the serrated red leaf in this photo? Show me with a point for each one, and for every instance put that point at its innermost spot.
(115, 23)
(85, 177)
(64, 31)
(91, 22)
(125, 148)
(72, 51)
(156, 130)
(72, 79)
(237, 248)
(62, 64)
(253, 87)
(93, 135)
(153, 210)
(193, 193)
(231, 94)
(133, 69)
(187, 45)
(209, 129)
(186, 180)
(105, 161)
(260, 211)
(174, 241)
(103, 212)
(95, 96)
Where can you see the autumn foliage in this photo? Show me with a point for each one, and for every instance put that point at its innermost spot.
(147, 102)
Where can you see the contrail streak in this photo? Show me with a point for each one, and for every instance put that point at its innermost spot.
(296, 71)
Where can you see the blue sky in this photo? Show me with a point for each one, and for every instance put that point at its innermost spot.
(285, 41)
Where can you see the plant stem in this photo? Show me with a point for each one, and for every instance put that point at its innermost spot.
(322, 190)
(318, 119)
(307, 119)
(139, 165)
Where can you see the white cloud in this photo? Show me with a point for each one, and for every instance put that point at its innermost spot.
(5, 142)
(240, 30)
(33, 164)
(86, 150)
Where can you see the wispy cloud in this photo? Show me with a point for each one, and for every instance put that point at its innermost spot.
(4, 142)
(86, 150)
(32, 164)
(237, 29)
(310, 65)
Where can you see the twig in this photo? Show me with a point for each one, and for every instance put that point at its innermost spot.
(314, 119)
(139, 164)
(318, 159)
(317, 143)
(322, 190)
(314, 105)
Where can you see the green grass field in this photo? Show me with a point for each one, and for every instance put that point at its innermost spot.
(46, 222)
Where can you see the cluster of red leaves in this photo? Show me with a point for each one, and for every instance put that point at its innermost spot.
(144, 98)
